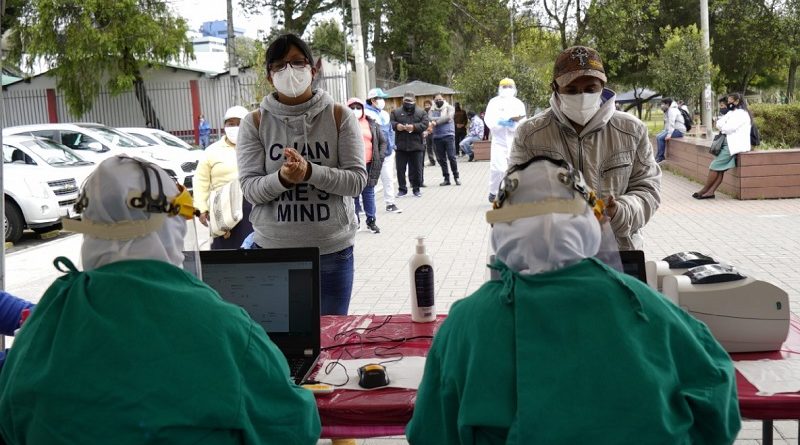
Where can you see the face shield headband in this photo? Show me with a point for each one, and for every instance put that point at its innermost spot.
(569, 177)
(159, 206)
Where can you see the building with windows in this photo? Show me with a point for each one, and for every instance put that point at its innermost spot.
(219, 29)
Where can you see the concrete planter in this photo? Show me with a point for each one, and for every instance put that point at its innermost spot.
(757, 175)
(482, 150)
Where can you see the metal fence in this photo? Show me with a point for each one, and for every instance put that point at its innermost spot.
(171, 101)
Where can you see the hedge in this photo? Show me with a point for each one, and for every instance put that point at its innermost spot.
(778, 124)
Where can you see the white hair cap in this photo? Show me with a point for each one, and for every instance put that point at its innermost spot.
(543, 224)
(115, 230)
(236, 112)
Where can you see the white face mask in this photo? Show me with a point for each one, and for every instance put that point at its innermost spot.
(232, 133)
(292, 82)
(580, 108)
(357, 112)
(380, 103)
(507, 92)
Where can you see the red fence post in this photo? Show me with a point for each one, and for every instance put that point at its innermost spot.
(52, 108)
(194, 87)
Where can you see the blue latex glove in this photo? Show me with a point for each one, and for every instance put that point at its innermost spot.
(248, 242)
(508, 123)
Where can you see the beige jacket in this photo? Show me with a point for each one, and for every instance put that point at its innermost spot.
(614, 154)
(216, 169)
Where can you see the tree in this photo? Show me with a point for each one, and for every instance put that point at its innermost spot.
(419, 35)
(747, 42)
(291, 15)
(247, 51)
(531, 70)
(329, 39)
(95, 42)
(569, 18)
(678, 69)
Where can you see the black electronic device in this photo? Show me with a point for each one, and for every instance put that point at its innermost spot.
(688, 259)
(372, 376)
(713, 273)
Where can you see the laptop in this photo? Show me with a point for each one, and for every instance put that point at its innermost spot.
(280, 289)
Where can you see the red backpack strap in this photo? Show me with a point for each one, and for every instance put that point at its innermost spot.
(256, 118)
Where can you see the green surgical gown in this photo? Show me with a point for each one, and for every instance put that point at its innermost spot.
(141, 352)
(580, 355)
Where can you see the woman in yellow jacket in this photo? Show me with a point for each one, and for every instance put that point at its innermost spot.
(216, 169)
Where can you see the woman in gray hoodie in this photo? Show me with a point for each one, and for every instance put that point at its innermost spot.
(301, 161)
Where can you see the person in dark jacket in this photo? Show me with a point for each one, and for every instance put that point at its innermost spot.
(409, 122)
(374, 152)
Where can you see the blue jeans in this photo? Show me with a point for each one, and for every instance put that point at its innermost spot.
(466, 144)
(661, 140)
(205, 140)
(336, 277)
(368, 196)
(336, 274)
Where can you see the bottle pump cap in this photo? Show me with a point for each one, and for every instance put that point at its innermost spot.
(421, 244)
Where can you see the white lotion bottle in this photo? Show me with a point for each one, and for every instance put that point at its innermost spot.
(420, 269)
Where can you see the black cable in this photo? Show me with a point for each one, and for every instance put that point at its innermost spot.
(388, 340)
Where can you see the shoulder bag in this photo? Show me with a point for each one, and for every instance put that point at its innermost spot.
(225, 208)
(717, 143)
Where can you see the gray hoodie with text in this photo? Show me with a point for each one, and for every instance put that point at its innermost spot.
(315, 213)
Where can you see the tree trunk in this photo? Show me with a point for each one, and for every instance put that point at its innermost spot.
(793, 63)
(149, 113)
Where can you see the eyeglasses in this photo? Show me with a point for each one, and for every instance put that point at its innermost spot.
(280, 66)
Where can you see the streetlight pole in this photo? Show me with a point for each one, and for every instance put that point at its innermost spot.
(358, 52)
(233, 67)
(708, 99)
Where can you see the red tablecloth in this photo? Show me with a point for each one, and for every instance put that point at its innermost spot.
(778, 406)
(383, 412)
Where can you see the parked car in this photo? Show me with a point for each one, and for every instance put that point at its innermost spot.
(155, 136)
(96, 142)
(41, 181)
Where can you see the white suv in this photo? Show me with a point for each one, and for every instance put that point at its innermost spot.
(41, 181)
(96, 142)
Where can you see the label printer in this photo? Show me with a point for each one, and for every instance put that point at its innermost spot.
(743, 313)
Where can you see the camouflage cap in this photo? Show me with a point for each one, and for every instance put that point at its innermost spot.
(575, 62)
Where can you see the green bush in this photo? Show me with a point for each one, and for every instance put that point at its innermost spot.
(778, 124)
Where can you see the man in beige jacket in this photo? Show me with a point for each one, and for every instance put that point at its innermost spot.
(611, 148)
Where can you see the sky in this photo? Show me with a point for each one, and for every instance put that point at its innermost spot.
(198, 11)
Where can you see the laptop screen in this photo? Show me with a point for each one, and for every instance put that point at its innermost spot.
(276, 295)
(279, 289)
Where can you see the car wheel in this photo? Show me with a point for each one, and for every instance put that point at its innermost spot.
(13, 222)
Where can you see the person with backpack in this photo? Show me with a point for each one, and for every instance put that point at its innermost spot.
(674, 126)
(301, 162)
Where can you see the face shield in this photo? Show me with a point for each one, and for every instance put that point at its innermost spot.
(545, 218)
(131, 209)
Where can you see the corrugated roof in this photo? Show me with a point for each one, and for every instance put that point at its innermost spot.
(419, 88)
(7, 80)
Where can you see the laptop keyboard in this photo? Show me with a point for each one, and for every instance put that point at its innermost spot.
(296, 367)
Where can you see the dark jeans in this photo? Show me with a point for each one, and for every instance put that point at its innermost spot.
(336, 275)
(336, 281)
(661, 140)
(414, 160)
(446, 151)
(429, 148)
(461, 133)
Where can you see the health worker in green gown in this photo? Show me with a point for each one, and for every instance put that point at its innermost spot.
(135, 350)
(564, 349)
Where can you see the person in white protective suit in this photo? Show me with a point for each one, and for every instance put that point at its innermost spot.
(502, 117)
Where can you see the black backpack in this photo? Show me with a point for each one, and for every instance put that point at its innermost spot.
(687, 119)
(755, 136)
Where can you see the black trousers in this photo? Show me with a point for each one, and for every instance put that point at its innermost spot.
(413, 160)
(446, 151)
(429, 148)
